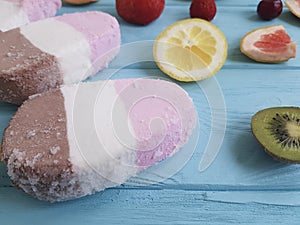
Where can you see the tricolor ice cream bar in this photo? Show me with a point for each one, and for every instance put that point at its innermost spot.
(15, 13)
(80, 139)
(55, 51)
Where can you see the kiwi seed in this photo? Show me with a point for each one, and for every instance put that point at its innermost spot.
(279, 128)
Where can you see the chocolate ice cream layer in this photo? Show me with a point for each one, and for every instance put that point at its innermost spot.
(36, 149)
(24, 69)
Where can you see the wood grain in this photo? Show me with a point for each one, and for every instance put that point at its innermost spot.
(178, 207)
(242, 186)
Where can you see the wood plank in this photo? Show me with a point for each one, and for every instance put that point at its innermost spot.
(242, 186)
(225, 20)
(149, 207)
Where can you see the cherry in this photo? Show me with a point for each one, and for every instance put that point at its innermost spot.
(269, 9)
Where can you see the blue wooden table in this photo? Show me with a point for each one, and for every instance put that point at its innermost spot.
(242, 185)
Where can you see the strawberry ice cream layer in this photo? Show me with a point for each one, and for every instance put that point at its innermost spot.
(128, 126)
(15, 13)
(92, 25)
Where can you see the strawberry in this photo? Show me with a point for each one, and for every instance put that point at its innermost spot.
(204, 9)
(140, 12)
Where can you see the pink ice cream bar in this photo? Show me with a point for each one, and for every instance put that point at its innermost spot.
(15, 13)
(55, 51)
(92, 136)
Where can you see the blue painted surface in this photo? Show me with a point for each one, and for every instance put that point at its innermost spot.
(242, 186)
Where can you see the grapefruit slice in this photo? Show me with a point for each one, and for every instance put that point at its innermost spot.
(293, 6)
(269, 44)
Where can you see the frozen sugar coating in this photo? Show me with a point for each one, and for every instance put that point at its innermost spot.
(93, 136)
(15, 13)
(55, 51)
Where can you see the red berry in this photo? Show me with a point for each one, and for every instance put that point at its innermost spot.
(140, 12)
(204, 9)
(269, 9)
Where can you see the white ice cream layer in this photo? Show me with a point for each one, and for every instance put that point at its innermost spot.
(101, 157)
(11, 16)
(68, 45)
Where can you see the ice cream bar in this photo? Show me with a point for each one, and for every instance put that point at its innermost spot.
(15, 13)
(80, 139)
(55, 51)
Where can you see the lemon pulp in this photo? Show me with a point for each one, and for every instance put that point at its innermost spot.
(190, 50)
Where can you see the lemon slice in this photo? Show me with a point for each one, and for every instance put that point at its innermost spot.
(190, 50)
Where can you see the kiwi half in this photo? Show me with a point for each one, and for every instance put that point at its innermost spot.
(278, 131)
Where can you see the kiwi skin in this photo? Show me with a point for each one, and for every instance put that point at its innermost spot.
(260, 126)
